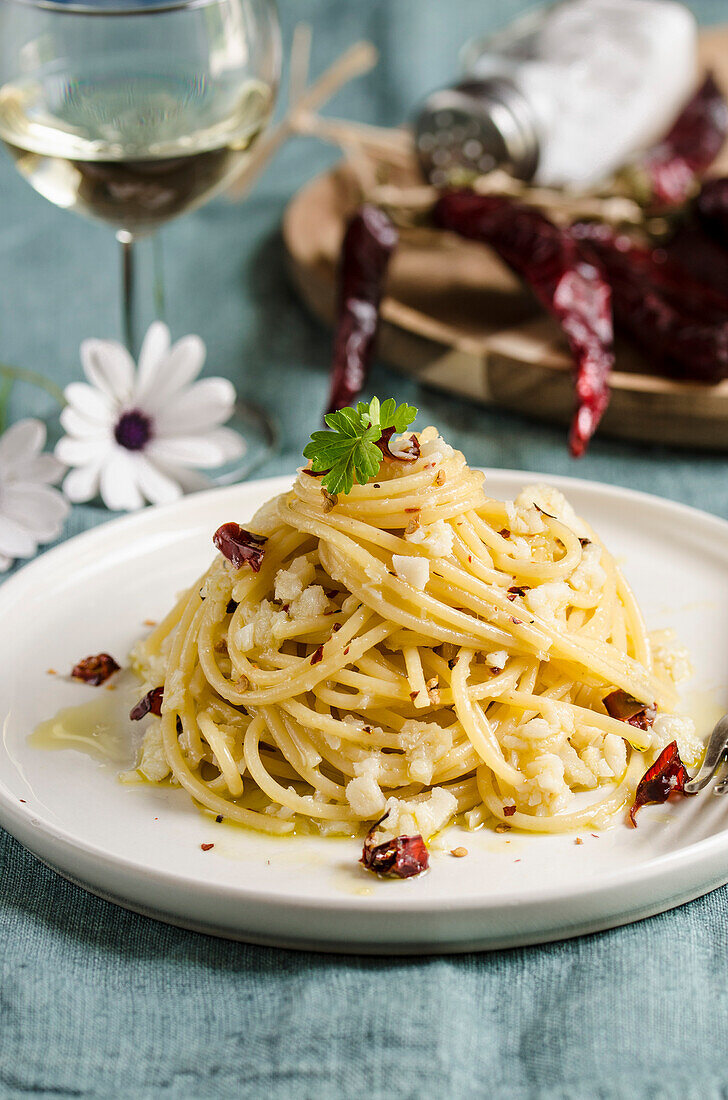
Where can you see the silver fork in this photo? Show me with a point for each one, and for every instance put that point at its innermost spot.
(714, 756)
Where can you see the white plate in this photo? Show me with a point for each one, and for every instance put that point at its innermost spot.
(140, 846)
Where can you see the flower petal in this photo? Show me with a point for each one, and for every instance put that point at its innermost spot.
(22, 441)
(118, 487)
(109, 367)
(154, 351)
(158, 487)
(38, 509)
(190, 481)
(15, 540)
(82, 483)
(5, 563)
(43, 469)
(88, 402)
(230, 442)
(204, 405)
(176, 370)
(80, 452)
(83, 427)
(203, 451)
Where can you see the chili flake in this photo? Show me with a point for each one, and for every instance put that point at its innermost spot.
(666, 776)
(95, 670)
(403, 856)
(625, 708)
(151, 703)
(240, 546)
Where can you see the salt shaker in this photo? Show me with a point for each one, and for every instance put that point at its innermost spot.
(565, 95)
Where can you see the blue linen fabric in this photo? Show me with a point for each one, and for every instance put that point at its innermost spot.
(98, 1002)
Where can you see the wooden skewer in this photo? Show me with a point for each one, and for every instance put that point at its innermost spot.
(357, 60)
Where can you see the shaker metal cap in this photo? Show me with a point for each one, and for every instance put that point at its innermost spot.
(476, 126)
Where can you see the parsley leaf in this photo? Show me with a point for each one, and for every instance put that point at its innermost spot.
(349, 450)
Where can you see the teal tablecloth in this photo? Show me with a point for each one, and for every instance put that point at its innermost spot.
(95, 1001)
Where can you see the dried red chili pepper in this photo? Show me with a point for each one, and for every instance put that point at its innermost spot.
(680, 325)
(625, 708)
(517, 590)
(95, 670)
(666, 776)
(711, 207)
(698, 251)
(569, 286)
(240, 546)
(410, 455)
(369, 241)
(151, 703)
(403, 856)
(669, 171)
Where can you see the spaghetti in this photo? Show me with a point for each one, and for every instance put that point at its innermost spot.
(413, 648)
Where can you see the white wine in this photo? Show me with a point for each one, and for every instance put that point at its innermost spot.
(131, 151)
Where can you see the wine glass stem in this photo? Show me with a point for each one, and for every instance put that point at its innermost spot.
(128, 292)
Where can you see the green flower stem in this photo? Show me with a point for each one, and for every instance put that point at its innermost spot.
(6, 387)
(20, 374)
(10, 375)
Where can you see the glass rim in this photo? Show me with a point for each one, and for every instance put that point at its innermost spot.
(110, 8)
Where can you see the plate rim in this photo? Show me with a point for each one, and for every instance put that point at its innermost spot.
(20, 815)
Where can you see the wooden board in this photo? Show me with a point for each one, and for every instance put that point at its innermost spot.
(457, 319)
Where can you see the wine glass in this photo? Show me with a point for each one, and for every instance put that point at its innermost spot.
(133, 112)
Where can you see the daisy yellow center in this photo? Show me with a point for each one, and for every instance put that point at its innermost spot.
(133, 430)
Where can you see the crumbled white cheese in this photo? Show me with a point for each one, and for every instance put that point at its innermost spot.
(401, 446)
(536, 729)
(285, 813)
(589, 576)
(553, 502)
(363, 793)
(290, 582)
(523, 519)
(520, 547)
(245, 638)
(670, 656)
(497, 659)
(475, 818)
(677, 727)
(153, 762)
(576, 772)
(548, 600)
(426, 816)
(615, 753)
(548, 769)
(594, 759)
(414, 571)
(310, 603)
(434, 446)
(264, 620)
(436, 538)
(424, 743)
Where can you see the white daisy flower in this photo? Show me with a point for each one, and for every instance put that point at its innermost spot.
(31, 512)
(136, 435)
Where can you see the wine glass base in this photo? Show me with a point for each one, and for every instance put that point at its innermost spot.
(261, 435)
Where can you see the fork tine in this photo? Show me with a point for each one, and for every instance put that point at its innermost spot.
(717, 746)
